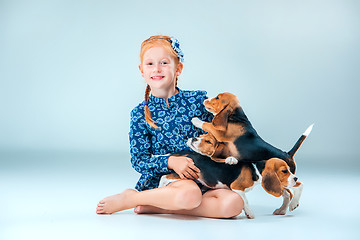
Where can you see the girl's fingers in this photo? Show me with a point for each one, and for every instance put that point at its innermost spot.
(187, 175)
(194, 168)
(192, 174)
(190, 160)
(192, 165)
(188, 170)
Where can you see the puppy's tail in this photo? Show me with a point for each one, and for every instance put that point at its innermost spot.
(300, 141)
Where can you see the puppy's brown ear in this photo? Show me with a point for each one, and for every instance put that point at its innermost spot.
(221, 151)
(271, 183)
(220, 121)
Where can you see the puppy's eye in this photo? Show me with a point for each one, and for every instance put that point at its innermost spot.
(285, 171)
(207, 141)
(217, 97)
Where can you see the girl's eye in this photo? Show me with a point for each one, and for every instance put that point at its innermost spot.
(149, 63)
(163, 63)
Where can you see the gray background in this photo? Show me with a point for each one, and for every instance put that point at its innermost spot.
(69, 78)
(69, 69)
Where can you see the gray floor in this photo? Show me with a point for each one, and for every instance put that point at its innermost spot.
(54, 196)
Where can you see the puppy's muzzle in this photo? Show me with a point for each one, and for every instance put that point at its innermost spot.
(193, 143)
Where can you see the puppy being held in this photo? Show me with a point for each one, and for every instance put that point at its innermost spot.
(206, 144)
(275, 177)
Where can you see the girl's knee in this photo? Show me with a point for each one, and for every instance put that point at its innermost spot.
(188, 197)
(231, 205)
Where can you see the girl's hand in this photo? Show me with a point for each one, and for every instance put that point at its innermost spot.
(184, 167)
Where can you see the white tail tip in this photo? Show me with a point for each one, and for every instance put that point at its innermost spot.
(308, 130)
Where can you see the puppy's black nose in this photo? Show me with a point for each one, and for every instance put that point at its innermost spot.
(295, 179)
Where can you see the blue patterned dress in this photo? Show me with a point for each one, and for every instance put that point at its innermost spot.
(148, 145)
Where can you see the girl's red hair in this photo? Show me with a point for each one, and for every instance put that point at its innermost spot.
(155, 41)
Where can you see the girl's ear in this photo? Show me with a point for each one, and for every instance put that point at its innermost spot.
(141, 70)
(179, 69)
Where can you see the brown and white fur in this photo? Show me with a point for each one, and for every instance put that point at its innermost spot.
(231, 138)
(276, 178)
(231, 127)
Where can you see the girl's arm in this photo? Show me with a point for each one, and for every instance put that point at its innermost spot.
(142, 159)
(144, 162)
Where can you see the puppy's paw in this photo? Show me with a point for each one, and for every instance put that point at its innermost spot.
(231, 161)
(197, 122)
(279, 211)
(293, 205)
(249, 214)
(164, 181)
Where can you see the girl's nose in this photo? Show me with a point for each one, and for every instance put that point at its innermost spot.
(157, 68)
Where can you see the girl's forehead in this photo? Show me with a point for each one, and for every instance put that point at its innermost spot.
(157, 52)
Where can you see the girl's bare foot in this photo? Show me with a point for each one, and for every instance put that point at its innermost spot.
(149, 209)
(115, 203)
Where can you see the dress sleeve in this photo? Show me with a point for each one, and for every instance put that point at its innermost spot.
(203, 114)
(206, 115)
(142, 159)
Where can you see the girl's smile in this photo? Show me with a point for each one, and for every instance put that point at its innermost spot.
(157, 77)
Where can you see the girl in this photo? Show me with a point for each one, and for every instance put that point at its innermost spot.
(159, 126)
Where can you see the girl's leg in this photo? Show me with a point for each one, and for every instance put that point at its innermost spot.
(183, 194)
(219, 203)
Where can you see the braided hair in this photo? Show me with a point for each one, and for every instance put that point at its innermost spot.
(155, 41)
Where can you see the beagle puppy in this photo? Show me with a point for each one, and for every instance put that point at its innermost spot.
(206, 144)
(275, 176)
(232, 139)
(231, 126)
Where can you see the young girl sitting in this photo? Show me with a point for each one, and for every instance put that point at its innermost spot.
(159, 126)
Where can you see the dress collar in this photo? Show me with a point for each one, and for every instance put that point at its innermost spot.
(153, 99)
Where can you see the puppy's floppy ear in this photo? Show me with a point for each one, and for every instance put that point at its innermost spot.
(221, 151)
(271, 183)
(220, 121)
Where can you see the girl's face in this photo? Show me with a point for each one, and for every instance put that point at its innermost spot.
(160, 69)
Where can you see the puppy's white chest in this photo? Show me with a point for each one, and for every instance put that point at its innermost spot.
(219, 185)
